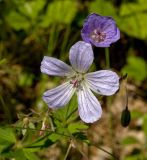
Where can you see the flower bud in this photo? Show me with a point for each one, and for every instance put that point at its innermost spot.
(26, 121)
(125, 117)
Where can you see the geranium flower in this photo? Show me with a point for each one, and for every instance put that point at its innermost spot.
(104, 82)
(100, 31)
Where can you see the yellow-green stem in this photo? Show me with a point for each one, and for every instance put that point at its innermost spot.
(107, 60)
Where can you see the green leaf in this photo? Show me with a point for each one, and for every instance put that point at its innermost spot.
(24, 14)
(17, 21)
(129, 140)
(99, 6)
(134, 25)
(43, 142)
(54, 137)
(59, 12)
(67, 112)
(31, 8)
(71, 108)
(76, 127)
(133, 7)
(82, 137)
(5, 146)
(36, 145)
(133, 18)
(7, 134)
(33, 149)
(30, 155)
(136, 68)
(14, 154)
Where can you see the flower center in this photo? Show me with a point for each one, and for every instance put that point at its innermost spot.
(97, 35)
(76, 81)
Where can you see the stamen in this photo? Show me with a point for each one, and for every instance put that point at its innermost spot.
(98, 36)
(76, 81)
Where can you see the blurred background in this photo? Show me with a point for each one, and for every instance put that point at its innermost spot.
(30, 29)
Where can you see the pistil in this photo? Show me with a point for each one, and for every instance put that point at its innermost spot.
(76, 81)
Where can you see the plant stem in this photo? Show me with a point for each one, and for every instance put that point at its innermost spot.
(52, 125)
(109, 100)
(102, 149)
(107, 57)
(67, 152)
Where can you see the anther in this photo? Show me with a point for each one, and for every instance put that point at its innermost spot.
(98, 36)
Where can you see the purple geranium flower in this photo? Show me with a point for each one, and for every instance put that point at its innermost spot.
(100, 31)
(104, 82)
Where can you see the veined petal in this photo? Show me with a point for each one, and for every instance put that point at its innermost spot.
(104, 82)
(112, 36)
(89, 107)
(59, 96)
(116, 37)
(81, 56)
(55, 67)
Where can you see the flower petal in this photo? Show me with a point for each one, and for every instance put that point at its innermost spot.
(100, 44)
(89, 107)
(81, 56)
(116, 37)
(104, 82)
(59, 96)
(112, 33)
(53, 66)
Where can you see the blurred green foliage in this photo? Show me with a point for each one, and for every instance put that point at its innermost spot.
(31, 29)
(136, 67)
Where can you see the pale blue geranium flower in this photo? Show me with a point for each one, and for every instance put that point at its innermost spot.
(104, 82)
(99, 30)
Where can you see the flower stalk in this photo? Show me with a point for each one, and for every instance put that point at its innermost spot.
(67, 152)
